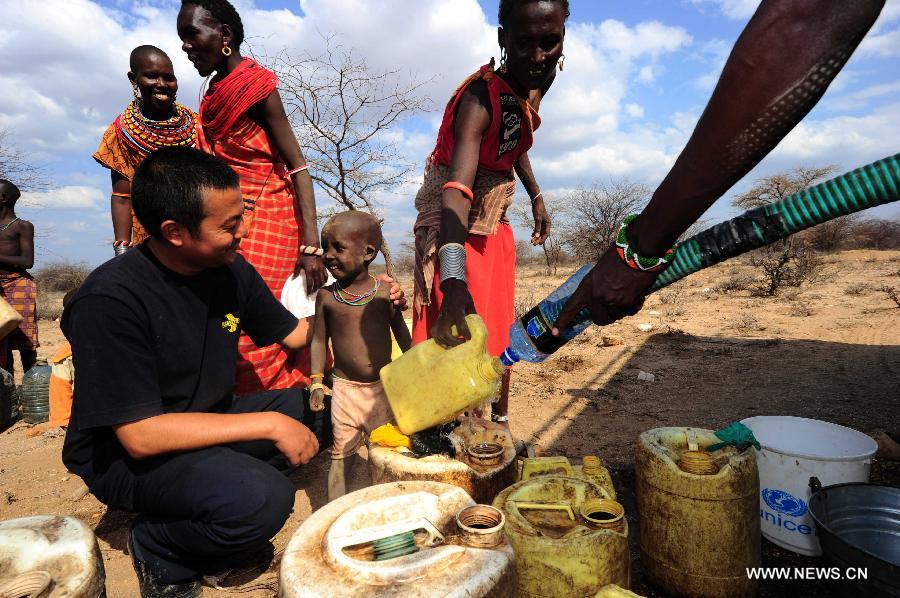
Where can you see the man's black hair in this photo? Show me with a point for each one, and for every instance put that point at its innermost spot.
(142, 52)
(12, 192)
(225, 13)
(169, 185)
(508, 6)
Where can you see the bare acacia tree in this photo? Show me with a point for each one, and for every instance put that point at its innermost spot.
(343, 112)
(595, 213)
(16, 166)
(792, 260)
(778, 186)
(552, 247)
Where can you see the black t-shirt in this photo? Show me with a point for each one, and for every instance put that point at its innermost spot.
(147, 341)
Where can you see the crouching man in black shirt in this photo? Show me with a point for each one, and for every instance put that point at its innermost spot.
(154, 335)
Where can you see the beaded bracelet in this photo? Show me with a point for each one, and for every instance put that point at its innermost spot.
(122, 195)
(640, 262)
(464, 189)
(315, 376)
(311, 250)
(298, 169)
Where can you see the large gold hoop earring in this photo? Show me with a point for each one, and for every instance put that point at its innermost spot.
(226, 50)
(502, 68)
(562, 61)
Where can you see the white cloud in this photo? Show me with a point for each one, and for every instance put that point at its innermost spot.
(885, 44)
(861, 98)
(733, 9)
(73, 197)
(634, 110)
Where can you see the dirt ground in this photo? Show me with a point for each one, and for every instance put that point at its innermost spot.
(828, 350)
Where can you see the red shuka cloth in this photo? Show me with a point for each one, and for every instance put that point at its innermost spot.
(491, 274)
(272, 246)
(228, 99)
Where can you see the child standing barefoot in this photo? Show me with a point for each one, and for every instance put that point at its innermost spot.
(356, 314)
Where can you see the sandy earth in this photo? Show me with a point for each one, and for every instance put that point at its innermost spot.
(817, 351)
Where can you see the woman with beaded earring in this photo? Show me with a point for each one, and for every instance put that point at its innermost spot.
(153, 119)
(245, 125)
(465, 251)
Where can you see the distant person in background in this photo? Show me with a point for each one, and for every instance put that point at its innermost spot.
(465, 250)
(16, 285)
(152, 120)
(244, 124)
(62, 379)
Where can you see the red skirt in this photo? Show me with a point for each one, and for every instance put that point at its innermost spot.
(491, 274)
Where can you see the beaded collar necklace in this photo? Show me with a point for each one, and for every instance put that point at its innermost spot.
(145, 135)
(342, 295)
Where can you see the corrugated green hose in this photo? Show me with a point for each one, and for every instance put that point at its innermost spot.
(872, 185)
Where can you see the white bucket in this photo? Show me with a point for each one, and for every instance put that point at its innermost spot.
(793, 450)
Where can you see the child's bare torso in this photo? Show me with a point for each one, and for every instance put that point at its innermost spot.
(360, 335)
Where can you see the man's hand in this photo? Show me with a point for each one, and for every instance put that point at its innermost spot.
(611, 291)
(314, 268)
(541, 222)
(317, 400)
(295, 441)
(398, 297)
(457, 304)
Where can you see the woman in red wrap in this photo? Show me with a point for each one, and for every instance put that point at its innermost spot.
(248, 128)
(245, 125)
(465, 251)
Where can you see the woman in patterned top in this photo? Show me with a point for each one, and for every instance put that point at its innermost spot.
(465, 251)
(150, 121)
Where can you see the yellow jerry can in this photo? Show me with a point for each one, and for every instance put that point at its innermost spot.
(698, 532)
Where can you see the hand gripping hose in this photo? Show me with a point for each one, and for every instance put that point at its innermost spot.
(866, 187)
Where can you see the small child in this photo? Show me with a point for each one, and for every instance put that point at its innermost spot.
(355, 313)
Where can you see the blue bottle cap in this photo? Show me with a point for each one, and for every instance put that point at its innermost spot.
(509, 357)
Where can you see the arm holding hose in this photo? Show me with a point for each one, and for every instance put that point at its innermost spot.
(779, 68)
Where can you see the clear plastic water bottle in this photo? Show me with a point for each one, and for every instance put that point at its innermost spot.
(531, 336)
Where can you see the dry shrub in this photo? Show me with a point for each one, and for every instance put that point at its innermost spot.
(737, 282)
(49, 305)
(792, 294)
(745, 321)
(524, 303)
(671, 295)
(61, 276)
(857, 288)
(787, 263)
(801, 310)
(892, 293)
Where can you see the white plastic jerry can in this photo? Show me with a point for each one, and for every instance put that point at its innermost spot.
(411, 539)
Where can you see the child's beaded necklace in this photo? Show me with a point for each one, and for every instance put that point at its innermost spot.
(342, 295)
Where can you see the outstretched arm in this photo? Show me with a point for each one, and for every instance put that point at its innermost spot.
(271, 116)
(318, 355)
(541, 218)
(400, 330)
(472, 120)
(120, 207)
(779, 68)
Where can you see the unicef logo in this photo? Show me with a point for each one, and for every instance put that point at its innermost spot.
(784, 502)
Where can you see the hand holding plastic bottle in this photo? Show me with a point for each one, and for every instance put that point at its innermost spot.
(610, 291)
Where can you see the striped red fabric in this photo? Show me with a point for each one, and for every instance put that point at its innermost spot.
(272, 247)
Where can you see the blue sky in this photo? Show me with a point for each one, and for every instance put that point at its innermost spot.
(638, 74)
